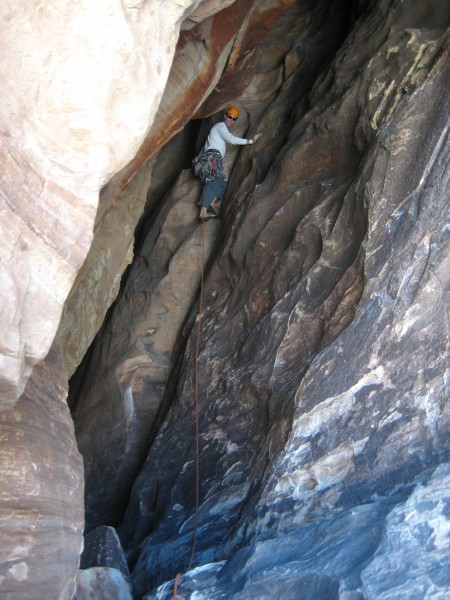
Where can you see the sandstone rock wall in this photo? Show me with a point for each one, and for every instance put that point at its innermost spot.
(41, 494)
(137, 350)
(323, 357)
(220, 52)
(80, 86)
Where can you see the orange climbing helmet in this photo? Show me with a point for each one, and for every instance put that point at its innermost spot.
(232, 111)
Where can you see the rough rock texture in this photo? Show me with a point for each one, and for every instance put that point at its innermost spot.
(41, 493)
(136, 399)
(79, 87)
(102, 583)
(323, 419)
(408, 541)
(251, 48)
(112, 249)
(118, 404)
(98, 282)
(102, 548)
(412, 558)
(201, 56)
(323, 362)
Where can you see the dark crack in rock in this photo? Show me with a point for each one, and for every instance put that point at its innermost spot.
(134, 355)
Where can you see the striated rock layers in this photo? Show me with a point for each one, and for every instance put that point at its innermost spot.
(41, 494)
(134, 355)
(323, 350)
(244, 51)
(80, 85)
(79, 88)
(323, 354)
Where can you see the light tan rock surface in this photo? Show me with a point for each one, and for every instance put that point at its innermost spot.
(41, 492)
(79, 87)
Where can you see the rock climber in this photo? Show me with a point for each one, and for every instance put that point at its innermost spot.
(214, 188)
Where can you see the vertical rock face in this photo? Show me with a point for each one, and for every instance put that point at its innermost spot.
(134, 356)
(250, 46)
(79, 88)
(322, 391)
(138, 357)
(41, 496)
(323, 357)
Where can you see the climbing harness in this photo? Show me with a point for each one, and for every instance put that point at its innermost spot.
(197, 466)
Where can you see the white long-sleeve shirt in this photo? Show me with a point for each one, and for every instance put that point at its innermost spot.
(219, 136)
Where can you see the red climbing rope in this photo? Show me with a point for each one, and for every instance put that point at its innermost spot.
(197, 469)
(197, 347)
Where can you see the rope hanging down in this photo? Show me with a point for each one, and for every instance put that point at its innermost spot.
(197, 470)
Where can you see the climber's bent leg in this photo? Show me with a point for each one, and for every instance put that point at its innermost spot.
(211, 191)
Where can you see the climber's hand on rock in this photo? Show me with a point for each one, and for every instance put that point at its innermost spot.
(254, 139)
